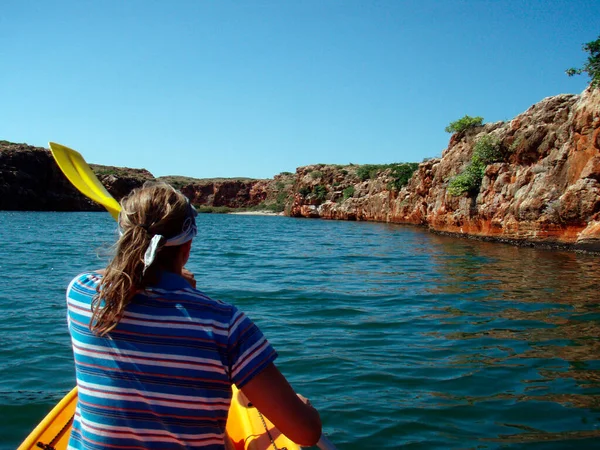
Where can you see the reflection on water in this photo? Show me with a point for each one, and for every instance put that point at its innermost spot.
(401, 338)
(533, 311)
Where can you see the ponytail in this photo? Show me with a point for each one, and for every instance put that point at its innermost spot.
(154, 211)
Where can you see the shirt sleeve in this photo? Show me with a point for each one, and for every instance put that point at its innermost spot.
(79, 295)
(248, 350)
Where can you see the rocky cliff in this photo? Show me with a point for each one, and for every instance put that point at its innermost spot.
(30, 180)
(234, 193)
(540, 185)
(544, 189)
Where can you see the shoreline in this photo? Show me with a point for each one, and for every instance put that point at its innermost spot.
(583, 248)
(256, 213)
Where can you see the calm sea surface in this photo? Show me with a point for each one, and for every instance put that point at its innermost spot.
(399, 337)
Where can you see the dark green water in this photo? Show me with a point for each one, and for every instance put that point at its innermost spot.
(399, 337)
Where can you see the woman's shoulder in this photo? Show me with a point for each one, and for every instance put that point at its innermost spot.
(196, 297)
(193, 303)
(86, 280)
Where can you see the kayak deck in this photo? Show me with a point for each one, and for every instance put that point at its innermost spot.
(250, 430)
(245, 427)
(54, 430)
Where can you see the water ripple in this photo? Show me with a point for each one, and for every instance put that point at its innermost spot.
(399, 337)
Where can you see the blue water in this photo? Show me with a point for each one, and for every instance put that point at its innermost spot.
(398, 336)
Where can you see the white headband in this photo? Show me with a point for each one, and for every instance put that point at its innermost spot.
(188, 231)
(187, 234)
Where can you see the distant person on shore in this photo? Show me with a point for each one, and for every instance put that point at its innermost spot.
(154, 357)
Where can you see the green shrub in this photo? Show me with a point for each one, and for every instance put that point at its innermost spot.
(487, 150)
(106, 171)
(282, 197)
(516, 144)
(592, 66)
(274, 207)
(304, 191)
(402, 173)
(213, 209)
(263, 206)
(320, 192)
(367, 171)
(348, 192)
(179, 182)
(464, 124)
(316, 174)
(469, 180)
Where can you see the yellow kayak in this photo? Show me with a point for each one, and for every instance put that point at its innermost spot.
(245, 427)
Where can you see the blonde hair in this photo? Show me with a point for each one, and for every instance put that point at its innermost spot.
(154, 209)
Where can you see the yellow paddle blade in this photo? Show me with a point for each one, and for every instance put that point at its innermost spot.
(83, 178)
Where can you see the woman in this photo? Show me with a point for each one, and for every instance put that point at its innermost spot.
(154, 357)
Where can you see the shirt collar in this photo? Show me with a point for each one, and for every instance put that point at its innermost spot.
(172, 281)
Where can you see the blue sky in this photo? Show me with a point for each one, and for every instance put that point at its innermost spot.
(254, 88)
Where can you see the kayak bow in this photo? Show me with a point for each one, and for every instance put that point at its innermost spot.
(246, 427)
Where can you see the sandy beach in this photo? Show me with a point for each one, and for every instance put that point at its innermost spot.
(257, 213)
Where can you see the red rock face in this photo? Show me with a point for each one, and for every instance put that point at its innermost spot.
(30, 180)
(234, 193)
(547, 189)
(121, 181)
(229, 193)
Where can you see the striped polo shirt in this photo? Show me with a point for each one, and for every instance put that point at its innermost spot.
(162, 378)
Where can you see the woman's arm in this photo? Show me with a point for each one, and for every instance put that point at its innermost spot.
(272, 395)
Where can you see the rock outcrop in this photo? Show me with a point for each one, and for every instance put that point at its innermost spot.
(234, 193)
(121, 181)
(30, 181)
(225, 193)
(546, 190)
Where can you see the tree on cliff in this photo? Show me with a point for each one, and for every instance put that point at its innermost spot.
(592, 66)
(463, 124)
